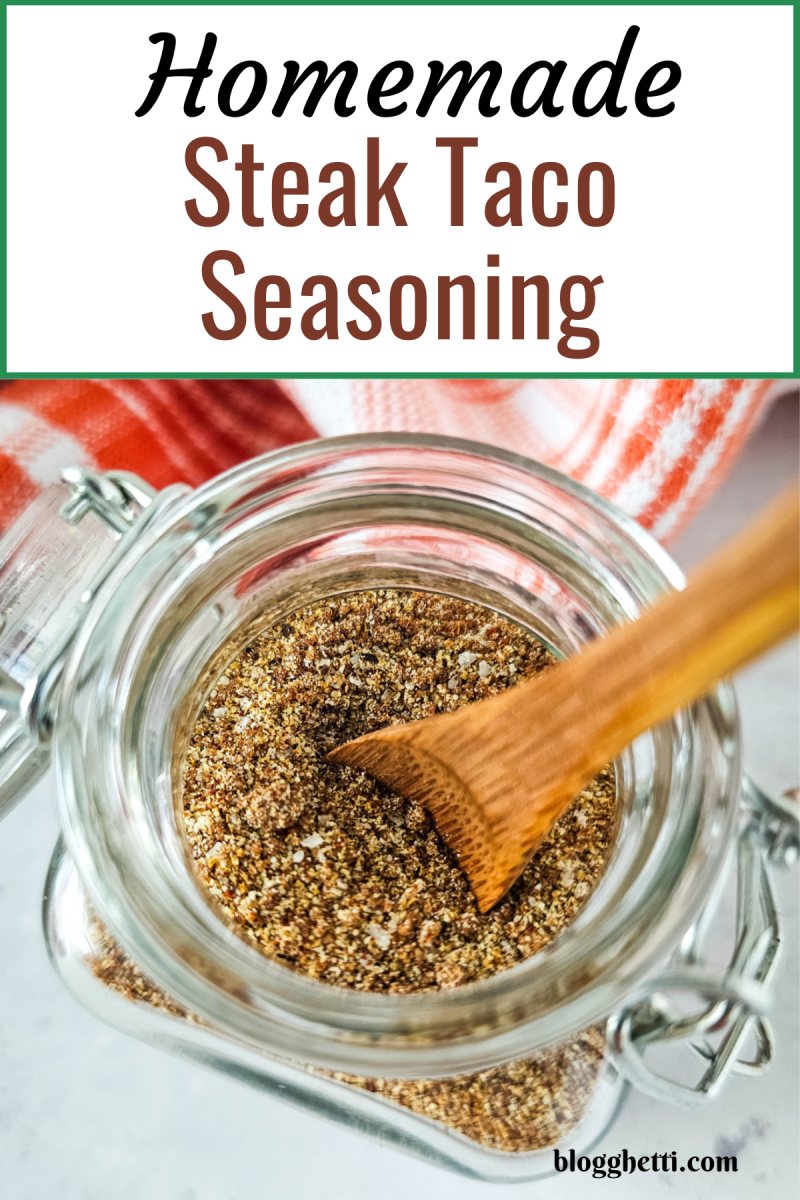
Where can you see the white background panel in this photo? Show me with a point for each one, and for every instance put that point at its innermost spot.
(104, 265)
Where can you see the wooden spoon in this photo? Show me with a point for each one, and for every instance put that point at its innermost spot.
(496, 775)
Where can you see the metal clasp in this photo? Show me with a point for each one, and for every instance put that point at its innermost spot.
(737, 999)
(127, 506)
(118, 498)
(49, 575)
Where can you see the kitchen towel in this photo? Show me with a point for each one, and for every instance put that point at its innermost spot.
(655, 447)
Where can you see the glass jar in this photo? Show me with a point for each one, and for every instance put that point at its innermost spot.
(122, 608)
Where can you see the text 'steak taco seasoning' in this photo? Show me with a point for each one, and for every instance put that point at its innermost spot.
(328, 873)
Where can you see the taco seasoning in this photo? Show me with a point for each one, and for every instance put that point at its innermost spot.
(328, 873)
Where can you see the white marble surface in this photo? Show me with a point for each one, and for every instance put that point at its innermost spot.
(88, 1114)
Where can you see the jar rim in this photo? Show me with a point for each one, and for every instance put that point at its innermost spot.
(217, 974)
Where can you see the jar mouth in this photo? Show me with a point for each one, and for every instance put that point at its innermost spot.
(337, 515)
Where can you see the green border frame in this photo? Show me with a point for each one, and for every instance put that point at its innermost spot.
(793, 374)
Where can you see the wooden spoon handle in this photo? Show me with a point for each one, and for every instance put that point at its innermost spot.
(742, 601)
(498, 774)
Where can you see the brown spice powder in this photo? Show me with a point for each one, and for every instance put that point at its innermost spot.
(329, 873)
(321, 867)
(521, 1106)
(111, 965)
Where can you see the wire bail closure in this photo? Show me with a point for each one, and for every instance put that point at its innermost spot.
(738, 998)
(49, 572)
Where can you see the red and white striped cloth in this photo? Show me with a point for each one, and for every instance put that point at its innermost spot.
(657, 448)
